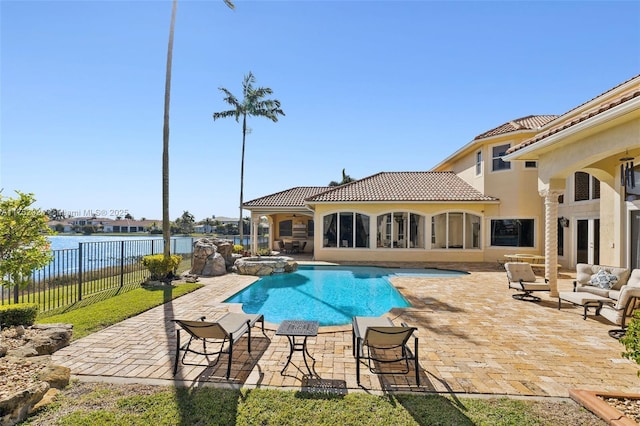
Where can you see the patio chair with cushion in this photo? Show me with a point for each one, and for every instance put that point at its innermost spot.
(621, 311)
(225, 332)
(521, 277)
(379, 341)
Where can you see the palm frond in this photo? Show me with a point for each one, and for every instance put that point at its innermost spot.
(225, 114)
(230, 4)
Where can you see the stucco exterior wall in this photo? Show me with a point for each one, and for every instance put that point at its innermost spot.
(373, 253)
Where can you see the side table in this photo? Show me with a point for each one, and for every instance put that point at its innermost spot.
(298, 328)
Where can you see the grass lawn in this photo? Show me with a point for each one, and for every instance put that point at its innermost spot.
(108, 404)
(96, 316)
(111, 404)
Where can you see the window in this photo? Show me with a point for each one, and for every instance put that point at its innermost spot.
(478, 163)
(286, 228)
(455, 230)
(345, 229)
(499, 152)
(400, 230)
(512, 232)
(330, 230)
(560, 247)
(595, 188)
(530, 164)
(310, 228)
(581, 186)
(586, 187)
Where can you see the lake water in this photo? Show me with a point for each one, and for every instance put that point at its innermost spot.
(99, 251)
(62, 242)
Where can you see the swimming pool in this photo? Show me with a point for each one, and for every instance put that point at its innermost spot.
(331, 295)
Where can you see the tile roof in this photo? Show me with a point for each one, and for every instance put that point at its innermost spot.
(403, 187)
(598, 109)
(293, 197)
(530, 122)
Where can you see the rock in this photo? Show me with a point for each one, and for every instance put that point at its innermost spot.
(57, 376)
(46, 399)
(212, 257)
(190, 278)
(49, 339)
(28, 370)
(261, 266)
(16, 407)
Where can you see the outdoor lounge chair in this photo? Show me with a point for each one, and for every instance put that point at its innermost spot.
(521, 277)
(621, 311)
(226, 331)
(377, 340)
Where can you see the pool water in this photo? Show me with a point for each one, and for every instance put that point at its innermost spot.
(331, 295)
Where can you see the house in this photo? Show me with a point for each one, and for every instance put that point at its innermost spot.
(564, 186)
(132, 226)
(101, 224)
(588, 176)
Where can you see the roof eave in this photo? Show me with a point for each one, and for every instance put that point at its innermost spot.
(529, 152)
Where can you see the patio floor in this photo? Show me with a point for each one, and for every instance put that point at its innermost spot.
(474, 339)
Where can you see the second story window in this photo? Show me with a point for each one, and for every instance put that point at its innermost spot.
(585, 187)
(499, 152)
(478, 163)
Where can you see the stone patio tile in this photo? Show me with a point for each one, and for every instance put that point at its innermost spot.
(474, 338)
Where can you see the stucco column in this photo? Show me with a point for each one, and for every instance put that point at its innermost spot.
(551, 238)
(254, 234)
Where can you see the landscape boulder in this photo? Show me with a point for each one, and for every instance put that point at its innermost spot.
(212, 257)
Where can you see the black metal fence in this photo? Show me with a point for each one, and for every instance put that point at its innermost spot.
(93, 268)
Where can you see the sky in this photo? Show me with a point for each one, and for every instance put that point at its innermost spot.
(366, 86)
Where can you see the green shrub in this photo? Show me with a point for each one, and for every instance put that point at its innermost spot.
(159, 267)
(264, 252)
(238, 249)
(631, 340)
(18, 314)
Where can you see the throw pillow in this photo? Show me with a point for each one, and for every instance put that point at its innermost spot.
(603, 279)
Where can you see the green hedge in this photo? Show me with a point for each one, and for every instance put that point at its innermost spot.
(18, 314)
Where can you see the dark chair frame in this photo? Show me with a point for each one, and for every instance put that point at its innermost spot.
(527, 288)
(214, 333)
(366, 338)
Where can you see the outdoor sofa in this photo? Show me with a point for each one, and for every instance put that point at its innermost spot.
(613, 291)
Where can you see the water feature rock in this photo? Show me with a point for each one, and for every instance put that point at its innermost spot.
(265, 265)
(212, 257)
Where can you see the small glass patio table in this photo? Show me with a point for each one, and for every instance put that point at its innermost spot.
(298, 328)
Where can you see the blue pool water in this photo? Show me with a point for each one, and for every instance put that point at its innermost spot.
(331, 295)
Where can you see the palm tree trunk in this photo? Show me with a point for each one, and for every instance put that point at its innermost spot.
(166, 226)
(244, 136)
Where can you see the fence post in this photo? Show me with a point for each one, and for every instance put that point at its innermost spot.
(121, 263)
(80, 271)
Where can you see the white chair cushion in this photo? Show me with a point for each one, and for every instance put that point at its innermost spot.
(634, 278)
(520, 271)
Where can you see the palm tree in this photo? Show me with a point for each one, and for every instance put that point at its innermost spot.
(166, 225)
(345, 179)
(253, 104)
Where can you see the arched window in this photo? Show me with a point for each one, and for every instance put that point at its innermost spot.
(400, 230)
(345, 229)
(455, 230)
